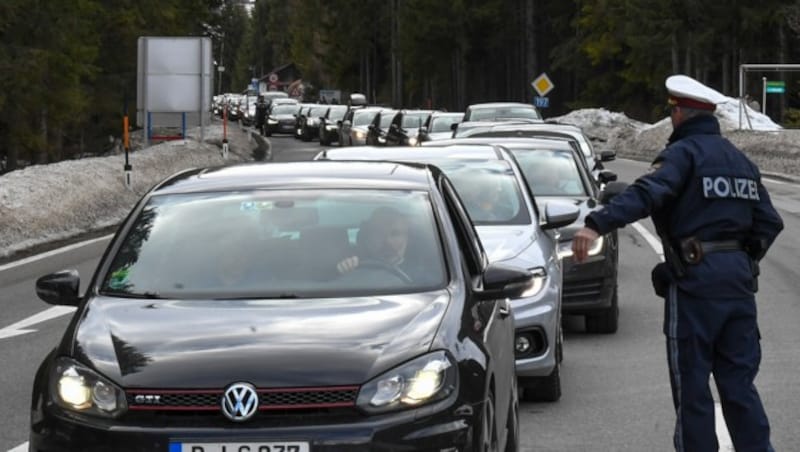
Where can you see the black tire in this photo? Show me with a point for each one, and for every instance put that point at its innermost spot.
(512, 426)
(488, 429)
(607, 320)
(544, 389)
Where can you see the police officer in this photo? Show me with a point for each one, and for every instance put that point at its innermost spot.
(261, 114)
(716, 221)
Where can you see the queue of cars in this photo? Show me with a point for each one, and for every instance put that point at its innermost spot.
(401, 296)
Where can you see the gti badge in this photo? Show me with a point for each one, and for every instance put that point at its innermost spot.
(240, 402)
(147, 399)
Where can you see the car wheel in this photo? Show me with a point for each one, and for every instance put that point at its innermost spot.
(607, 321)
(544, 389)
(512, 426)
(488, 430)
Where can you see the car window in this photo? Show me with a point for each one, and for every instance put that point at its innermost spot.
(551, 172)
(443, 123)
(386, 118)
(280, 244)
(488, 190)
(285, 109)
(337, 113)
(362, 118)
(413, 120)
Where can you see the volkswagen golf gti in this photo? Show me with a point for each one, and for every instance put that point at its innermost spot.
(290, 307)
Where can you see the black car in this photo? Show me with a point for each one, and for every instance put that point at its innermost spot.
(405, 127)
(282, 118)
(308, 123)
(593, 159)
(379, 127)
(329, 124)
(556, 171)
(228, 314)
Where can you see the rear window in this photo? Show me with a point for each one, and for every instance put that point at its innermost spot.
(551, 172)
(280, 244)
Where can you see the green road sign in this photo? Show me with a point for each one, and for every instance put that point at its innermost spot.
(776, 87)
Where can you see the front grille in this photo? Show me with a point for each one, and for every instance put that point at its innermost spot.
(582, 291)
(269, 399)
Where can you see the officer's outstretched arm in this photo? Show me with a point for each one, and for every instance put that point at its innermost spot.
(664, 182)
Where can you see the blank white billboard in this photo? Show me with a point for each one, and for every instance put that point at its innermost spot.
(174, 75)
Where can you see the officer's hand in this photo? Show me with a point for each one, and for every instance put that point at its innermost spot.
(581, 243)
(347, 265)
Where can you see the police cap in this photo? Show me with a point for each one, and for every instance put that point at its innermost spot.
(685, 91)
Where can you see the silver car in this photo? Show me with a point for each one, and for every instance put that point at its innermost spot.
(355, 130)
(512, 230)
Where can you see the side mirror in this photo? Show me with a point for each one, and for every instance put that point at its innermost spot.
(606, 176)
(559, 214)
(339, 123)
(607, 156)
(59, 288)
(505, 281)
(454, 126)
(610, 190)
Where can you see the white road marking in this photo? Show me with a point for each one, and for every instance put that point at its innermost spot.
(773, 181)
(18, 328)
(21, 448)
(723, 437)
(52, 253)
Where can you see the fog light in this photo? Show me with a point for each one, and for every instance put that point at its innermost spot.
(522, 344)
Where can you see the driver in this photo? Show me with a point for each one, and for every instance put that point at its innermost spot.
(383, 239)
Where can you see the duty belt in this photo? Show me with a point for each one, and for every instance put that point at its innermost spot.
(693, 250)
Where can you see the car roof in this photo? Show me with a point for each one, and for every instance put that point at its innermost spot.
(546, 143)
(500, 104)
(301, 175)
(477, 151)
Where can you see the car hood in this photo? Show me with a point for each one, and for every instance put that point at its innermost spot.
(269, 343)
(586, 206)
(285, 117)
(506, 242)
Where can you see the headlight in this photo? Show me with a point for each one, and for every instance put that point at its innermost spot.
(425, 379)
(78, 388)
(565, 248)
(360, 135)
(271, 121)
(539, 278)
(412, 141)
(381, 140)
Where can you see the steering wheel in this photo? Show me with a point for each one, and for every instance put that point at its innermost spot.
(380, 265)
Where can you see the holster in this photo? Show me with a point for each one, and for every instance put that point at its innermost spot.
(661, 277)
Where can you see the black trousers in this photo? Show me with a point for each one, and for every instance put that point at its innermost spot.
(719, 337)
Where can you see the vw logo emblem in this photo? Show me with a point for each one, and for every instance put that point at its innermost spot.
(240, 402)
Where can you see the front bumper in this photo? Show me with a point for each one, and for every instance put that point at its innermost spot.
(446, 426)
(589, 286)
(539, 318)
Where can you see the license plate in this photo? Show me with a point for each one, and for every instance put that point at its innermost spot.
(240, 447)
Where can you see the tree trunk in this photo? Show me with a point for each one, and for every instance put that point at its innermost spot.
(675, 54)
(531, 62)
(41, 154)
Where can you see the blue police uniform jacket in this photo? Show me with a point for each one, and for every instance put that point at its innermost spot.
(701, 185)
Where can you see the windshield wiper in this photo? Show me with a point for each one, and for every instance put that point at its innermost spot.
(143, 295)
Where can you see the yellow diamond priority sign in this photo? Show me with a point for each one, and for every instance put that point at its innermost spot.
(542, 84)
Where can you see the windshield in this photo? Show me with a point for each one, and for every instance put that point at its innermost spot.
(362, 118)
(279, 244)
(413, 120)
(287, 109)
(488, 189)
(337, 113)
(443, 123)
(386, 118)
(551, 172)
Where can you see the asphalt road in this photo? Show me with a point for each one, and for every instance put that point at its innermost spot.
(616, 393)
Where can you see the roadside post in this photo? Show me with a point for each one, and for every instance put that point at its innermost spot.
(225, 131)
(126, 144)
